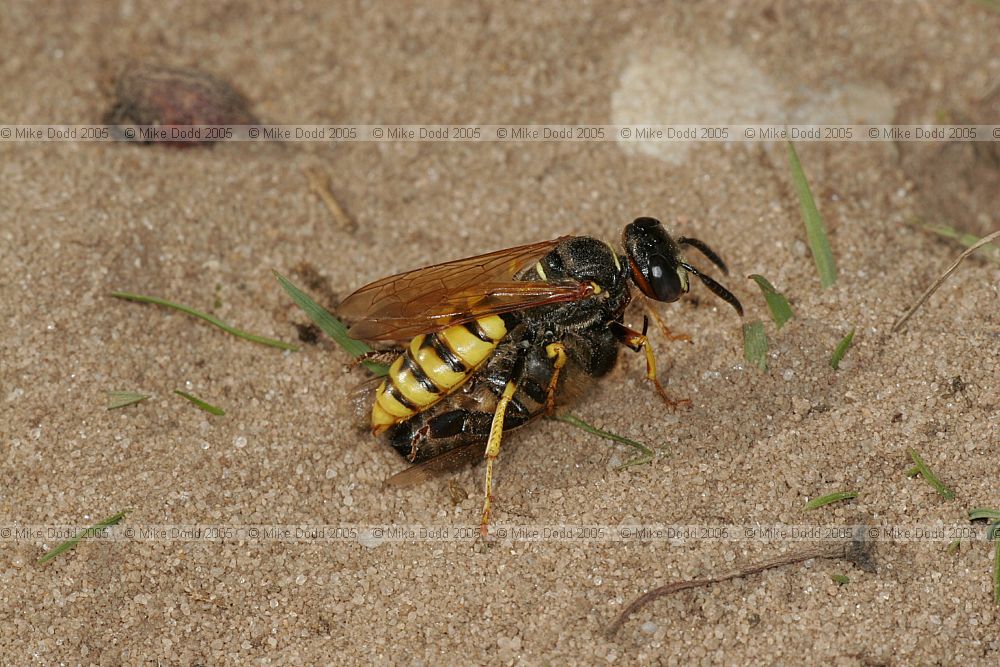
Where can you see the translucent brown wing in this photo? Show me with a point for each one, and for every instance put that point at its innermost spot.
(448, 461)
(435, 297)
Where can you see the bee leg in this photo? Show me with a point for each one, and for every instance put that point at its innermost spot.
(670, 335)
(637, 341)
(493, 450)
(556, 351)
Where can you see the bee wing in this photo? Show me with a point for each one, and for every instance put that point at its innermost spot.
(445, 462)
(435, 297)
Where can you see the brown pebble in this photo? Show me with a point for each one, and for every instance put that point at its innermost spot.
(147, 94)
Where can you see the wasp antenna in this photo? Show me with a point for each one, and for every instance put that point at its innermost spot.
(703, 248)
(716, 288)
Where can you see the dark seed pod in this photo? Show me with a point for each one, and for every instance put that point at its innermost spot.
(148, 94)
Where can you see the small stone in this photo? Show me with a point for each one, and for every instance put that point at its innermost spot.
(150, 94)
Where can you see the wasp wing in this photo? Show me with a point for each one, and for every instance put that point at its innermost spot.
(448, 461)
(435, 297)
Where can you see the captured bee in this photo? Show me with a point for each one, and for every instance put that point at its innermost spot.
(488, 343)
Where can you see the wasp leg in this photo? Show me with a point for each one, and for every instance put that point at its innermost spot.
(381, 356)
(637, 341)
(557, 352)
(670, 335)
(418, 437)
(493, 450)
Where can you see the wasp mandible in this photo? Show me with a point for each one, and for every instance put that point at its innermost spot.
(489, 342)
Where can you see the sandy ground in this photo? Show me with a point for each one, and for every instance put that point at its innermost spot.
(206, 227)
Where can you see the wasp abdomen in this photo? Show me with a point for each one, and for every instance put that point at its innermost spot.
(432, 366)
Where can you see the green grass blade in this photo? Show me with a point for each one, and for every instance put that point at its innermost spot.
(207, 407)
(983, 513)
(83, 534)
(119, 399)
(928, 474)
(989, 251)
(841, 350)
(781, 311)
(996, 573)
(755, 344)
(211, 319)
(829, 498)
(330, 325)
(815, 232)
(646, 454)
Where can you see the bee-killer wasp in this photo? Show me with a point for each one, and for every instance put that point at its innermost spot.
(491, 340)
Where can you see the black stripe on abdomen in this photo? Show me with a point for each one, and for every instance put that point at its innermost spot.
(410, 364)
(445, 353)
(393, 390)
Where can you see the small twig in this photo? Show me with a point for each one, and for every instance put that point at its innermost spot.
(964, 238)
(944, 276)
(858, 551)
(320, 184)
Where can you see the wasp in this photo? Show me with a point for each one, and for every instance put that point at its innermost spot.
(489, 343)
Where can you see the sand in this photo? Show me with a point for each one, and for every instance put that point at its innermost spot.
(207, 226)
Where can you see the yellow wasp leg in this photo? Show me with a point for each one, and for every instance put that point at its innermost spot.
(493, 450)
(638, 341)
(670, 335)
(555, 351)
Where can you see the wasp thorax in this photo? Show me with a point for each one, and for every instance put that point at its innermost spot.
(591, 263)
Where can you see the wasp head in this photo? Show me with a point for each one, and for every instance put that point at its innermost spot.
(657, 266)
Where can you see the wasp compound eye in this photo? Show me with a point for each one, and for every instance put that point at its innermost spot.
(654, 260)
(663, 279)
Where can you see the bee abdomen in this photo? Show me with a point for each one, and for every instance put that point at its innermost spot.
(433, 366)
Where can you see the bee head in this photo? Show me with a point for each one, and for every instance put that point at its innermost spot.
(657, 266)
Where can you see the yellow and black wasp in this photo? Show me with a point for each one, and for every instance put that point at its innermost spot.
(491, 340)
